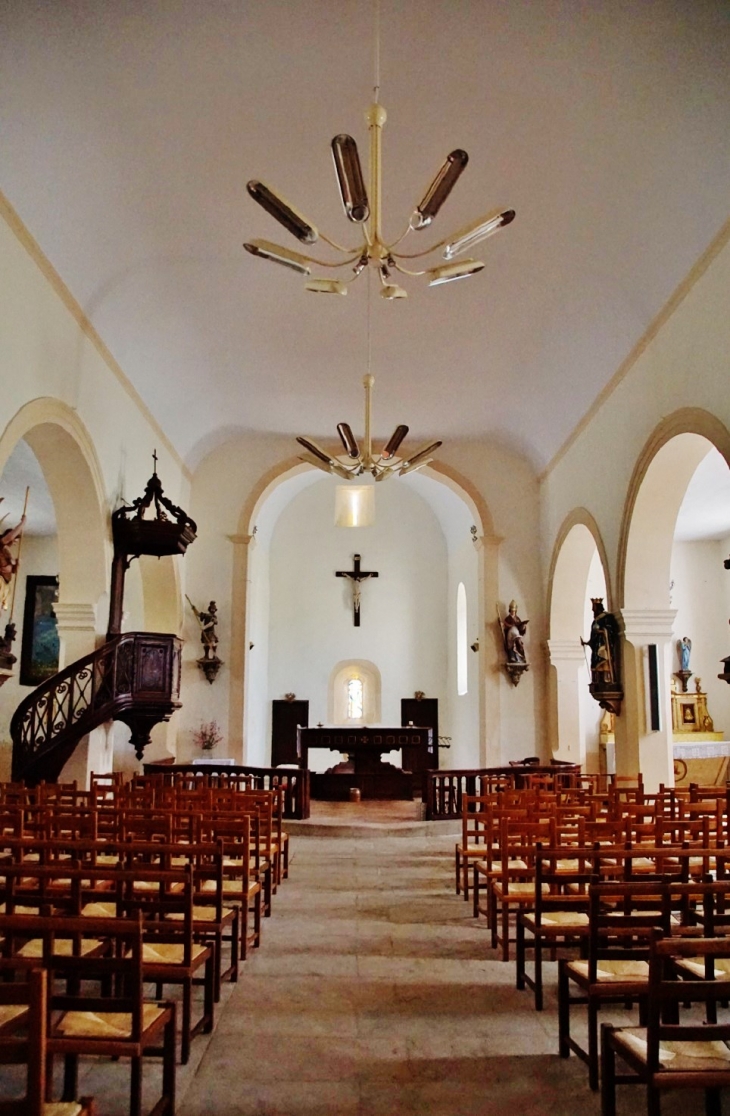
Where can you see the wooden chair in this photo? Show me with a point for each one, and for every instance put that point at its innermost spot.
(115, 1022)
(27, 1002)
(475, 831)
(617, 968)
(512, 889)
(672, 1055)
(560, 915)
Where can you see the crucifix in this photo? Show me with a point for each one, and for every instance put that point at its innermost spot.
(356, 575)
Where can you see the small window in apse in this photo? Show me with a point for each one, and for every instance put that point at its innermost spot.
(461, 640)
(354, 699)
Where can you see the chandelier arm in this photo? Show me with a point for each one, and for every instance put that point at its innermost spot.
(401, 238)
(426, 251)
(331, 263)
(405, 270)
(340, 247)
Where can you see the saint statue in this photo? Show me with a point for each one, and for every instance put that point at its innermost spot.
(208, 634)
(8, 564)
(684, 647)
(603, 642)
(513, 629)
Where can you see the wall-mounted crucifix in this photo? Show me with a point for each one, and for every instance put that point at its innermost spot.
(356, 575)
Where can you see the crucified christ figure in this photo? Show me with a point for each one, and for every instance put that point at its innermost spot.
(356, 575)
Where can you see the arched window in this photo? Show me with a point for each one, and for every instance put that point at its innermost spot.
(461, 638)
(354, 699)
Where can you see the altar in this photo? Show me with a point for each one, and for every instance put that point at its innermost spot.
(364, 746)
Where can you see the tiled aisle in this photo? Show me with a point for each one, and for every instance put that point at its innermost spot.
(373, 994)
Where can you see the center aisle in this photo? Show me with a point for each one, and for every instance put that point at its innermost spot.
(372, 995)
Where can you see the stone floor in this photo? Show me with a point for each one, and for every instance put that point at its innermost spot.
(375, 993)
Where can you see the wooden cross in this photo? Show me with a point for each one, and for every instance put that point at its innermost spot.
(356, 575)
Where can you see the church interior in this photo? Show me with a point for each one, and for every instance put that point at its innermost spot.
(210, 605)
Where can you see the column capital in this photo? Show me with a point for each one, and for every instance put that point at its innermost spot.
(75, 616)
(565, 651)
(647, 625)
(241, 540)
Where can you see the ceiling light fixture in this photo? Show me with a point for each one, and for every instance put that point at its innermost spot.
(357, 460)
(363, 207)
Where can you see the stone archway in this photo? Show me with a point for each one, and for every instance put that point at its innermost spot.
(656, 492)
(578, 571)
(486, 548)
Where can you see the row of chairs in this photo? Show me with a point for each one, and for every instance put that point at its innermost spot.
(191, 875)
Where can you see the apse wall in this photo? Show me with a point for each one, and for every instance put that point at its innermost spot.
(403, 613)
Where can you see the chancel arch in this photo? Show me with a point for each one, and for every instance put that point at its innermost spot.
(458, 538)
(578, 573)
(657, 491)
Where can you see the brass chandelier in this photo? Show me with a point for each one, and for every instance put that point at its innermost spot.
(363, 207)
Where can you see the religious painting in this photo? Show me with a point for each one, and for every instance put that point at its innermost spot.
(39, 649)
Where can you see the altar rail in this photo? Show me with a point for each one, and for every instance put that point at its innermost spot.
(443, 790)
(294, 780)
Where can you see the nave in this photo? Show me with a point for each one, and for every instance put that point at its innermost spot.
(375, 992)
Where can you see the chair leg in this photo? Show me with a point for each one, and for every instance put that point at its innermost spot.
(465, 876)
(537, 979)
(505, 931)
(457, 866)
(208, 998)
(475, 891)
(653, 1100)
(593, 1044)
(70, 1077)
(713, 1102)
(168, 1061)
(135, 1088)
(608, 1072)
(563, 1011)
(520, 955)
(244, 930)
(187, 1008)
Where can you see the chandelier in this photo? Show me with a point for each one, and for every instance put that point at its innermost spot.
(363, 207)
(357, 459)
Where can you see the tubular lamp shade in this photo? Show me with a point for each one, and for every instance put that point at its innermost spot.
(354, 505)
(473, 234)
(420, 458)
(293, 221)
(348, 440)
(326, 286)
(439, 189)
(316, 451)
(392, 291)
(392, 445)
(285, 256)
(447, 273)
(350, 180)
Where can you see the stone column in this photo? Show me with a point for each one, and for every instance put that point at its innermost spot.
(568, 659)
(76, 631)
(637, 747)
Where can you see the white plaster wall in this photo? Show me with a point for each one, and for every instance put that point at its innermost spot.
(685, 363)
(700, 596)
(403, 612)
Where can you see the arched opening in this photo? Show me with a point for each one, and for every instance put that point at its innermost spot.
(578, 575)
(355, 693)
(47, 448)
(654, 557)
(261, 608)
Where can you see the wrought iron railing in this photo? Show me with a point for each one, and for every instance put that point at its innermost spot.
(134, 677)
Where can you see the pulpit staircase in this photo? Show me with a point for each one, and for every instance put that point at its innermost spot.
(134, 678)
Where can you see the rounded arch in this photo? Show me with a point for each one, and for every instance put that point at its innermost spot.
(67, 457)
(578, 539)
(244, 541)
(341, 673)
(669, 457)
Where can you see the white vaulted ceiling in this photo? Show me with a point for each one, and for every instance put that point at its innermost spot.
(129, 130)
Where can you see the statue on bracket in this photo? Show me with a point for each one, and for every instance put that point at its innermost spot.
(684, 648)
(8, 584)
(513, 632)
(604, 642)
(210, 664)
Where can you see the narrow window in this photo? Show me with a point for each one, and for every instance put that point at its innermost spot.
(354, 699)
(461, 638)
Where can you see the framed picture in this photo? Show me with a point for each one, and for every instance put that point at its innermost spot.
(39, 648)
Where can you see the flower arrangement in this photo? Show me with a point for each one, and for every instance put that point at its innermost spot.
(208, 736)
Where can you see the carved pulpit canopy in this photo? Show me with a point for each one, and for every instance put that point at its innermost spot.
(170, 530)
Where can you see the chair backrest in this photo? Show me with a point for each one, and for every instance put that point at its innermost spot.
(28, 1048)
